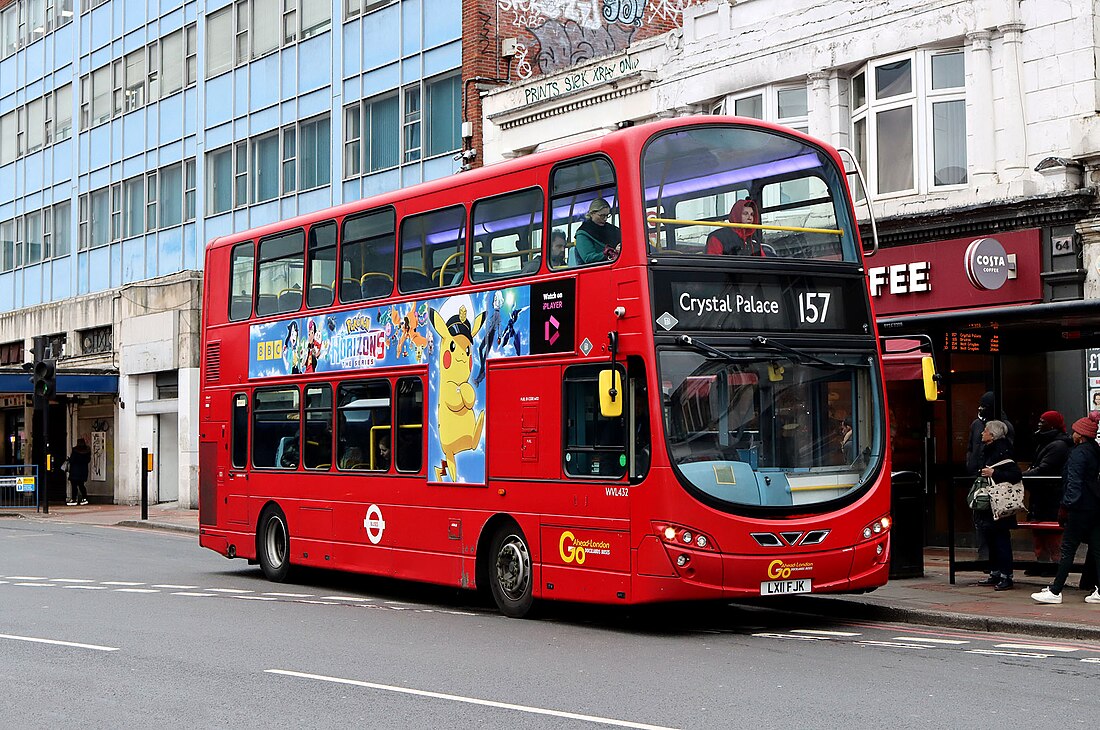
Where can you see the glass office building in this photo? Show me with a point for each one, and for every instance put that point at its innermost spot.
(132, 132)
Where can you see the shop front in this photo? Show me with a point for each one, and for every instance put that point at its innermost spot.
(1001, 312)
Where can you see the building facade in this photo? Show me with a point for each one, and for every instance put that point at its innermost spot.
(976, 125)
(130, 134)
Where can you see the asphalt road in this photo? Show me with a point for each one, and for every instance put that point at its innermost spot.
(114, 627)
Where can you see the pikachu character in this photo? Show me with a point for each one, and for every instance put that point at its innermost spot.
(459, 427)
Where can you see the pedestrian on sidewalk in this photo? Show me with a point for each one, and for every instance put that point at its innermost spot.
(1079, 514)
(975, 450)
(1052, 447)
(999, 466)
(79, 460)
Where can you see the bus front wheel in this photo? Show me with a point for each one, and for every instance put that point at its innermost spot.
(273, 545)
(510, 575)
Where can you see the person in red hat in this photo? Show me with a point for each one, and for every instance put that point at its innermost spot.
(1079, 514)
(738, 241)
(1052, 447)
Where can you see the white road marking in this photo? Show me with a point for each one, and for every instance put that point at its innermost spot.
(226, 590)
(25, 577)
(344, 598)
(169, 585)
(995, 652)
(923, 640)
(121, 583)
(136, 590)
(819, 632)
(59, 643)
(290, 595)
(37, 585)
(90, 588)
(72, 580)
(187, 593)
(256, 598)
(796, 637)
(1036, 647)
(892, 644)
(1091, 660)
(472, 700)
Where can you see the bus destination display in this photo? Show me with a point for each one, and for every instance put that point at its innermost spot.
(724, 302)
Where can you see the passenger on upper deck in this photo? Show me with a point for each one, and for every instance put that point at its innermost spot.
(598, 240)
(738, 241)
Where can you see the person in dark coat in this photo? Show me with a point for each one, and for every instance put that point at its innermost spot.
(999, 466)
(1052, 447)
(79, 460)
(975, 452)
(1079, 513)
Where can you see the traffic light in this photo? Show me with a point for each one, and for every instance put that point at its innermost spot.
(45, 378)
(44, 371)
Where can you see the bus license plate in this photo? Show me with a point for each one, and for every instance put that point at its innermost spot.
(784, 587)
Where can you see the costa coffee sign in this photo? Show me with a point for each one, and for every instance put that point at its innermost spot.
(960, 273)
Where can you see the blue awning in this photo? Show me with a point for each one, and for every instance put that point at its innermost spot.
(66, 384)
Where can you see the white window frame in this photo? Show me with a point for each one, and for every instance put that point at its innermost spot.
(920, 100)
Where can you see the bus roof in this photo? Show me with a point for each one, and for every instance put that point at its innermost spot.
(629, 137)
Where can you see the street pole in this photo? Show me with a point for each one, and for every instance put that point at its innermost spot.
(145, 484)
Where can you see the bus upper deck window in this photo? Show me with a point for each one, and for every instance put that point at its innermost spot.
(433, 250)
(280, 273)
(584, 207)
(366, 256)
(507, 233)
(241, 273)
(322, 264)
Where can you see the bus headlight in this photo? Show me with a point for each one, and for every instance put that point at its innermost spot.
(877, 528)
(684, 536)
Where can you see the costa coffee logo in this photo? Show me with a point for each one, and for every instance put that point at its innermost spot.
(987, 265)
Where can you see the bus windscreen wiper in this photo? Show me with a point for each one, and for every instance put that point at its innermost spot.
(761, 341)
(700, 346)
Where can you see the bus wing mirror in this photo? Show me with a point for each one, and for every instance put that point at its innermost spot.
(611, 394)
(928, 375)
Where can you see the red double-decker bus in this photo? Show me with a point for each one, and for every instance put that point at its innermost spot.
(640, 368)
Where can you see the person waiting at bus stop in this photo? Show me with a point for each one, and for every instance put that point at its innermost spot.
(999, 466)
(1052, 448)
(597, 239)
(1079, 513)
(738, 241)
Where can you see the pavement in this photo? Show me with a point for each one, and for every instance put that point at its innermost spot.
(928, 600)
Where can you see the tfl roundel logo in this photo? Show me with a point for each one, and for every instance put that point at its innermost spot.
(987, 265)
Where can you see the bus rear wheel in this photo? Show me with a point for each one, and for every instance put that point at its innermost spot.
(273, 545)
(510, 577)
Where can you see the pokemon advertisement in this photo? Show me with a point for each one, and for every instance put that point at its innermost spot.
(454, 336)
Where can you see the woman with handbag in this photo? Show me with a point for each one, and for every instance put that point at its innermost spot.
(1079, 513)
(998, 466)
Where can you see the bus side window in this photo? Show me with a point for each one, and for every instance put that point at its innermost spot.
(573, 188)
(433, 250)
(507, 235)
(363, 425)
(318, 436)
(322, 264)
(275, 432)
(366, 256)
(240, 431)
(594, 446)
(410, 425)
(241, 273)
(641, 445)
(280, 273)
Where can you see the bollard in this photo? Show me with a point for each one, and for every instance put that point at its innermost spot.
(145, 484)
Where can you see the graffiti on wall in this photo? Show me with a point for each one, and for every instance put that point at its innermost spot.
(568, 32)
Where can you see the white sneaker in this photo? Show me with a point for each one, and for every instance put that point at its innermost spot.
(1045, 596)
(71, 503)
(84, 501)
(1094, 598)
